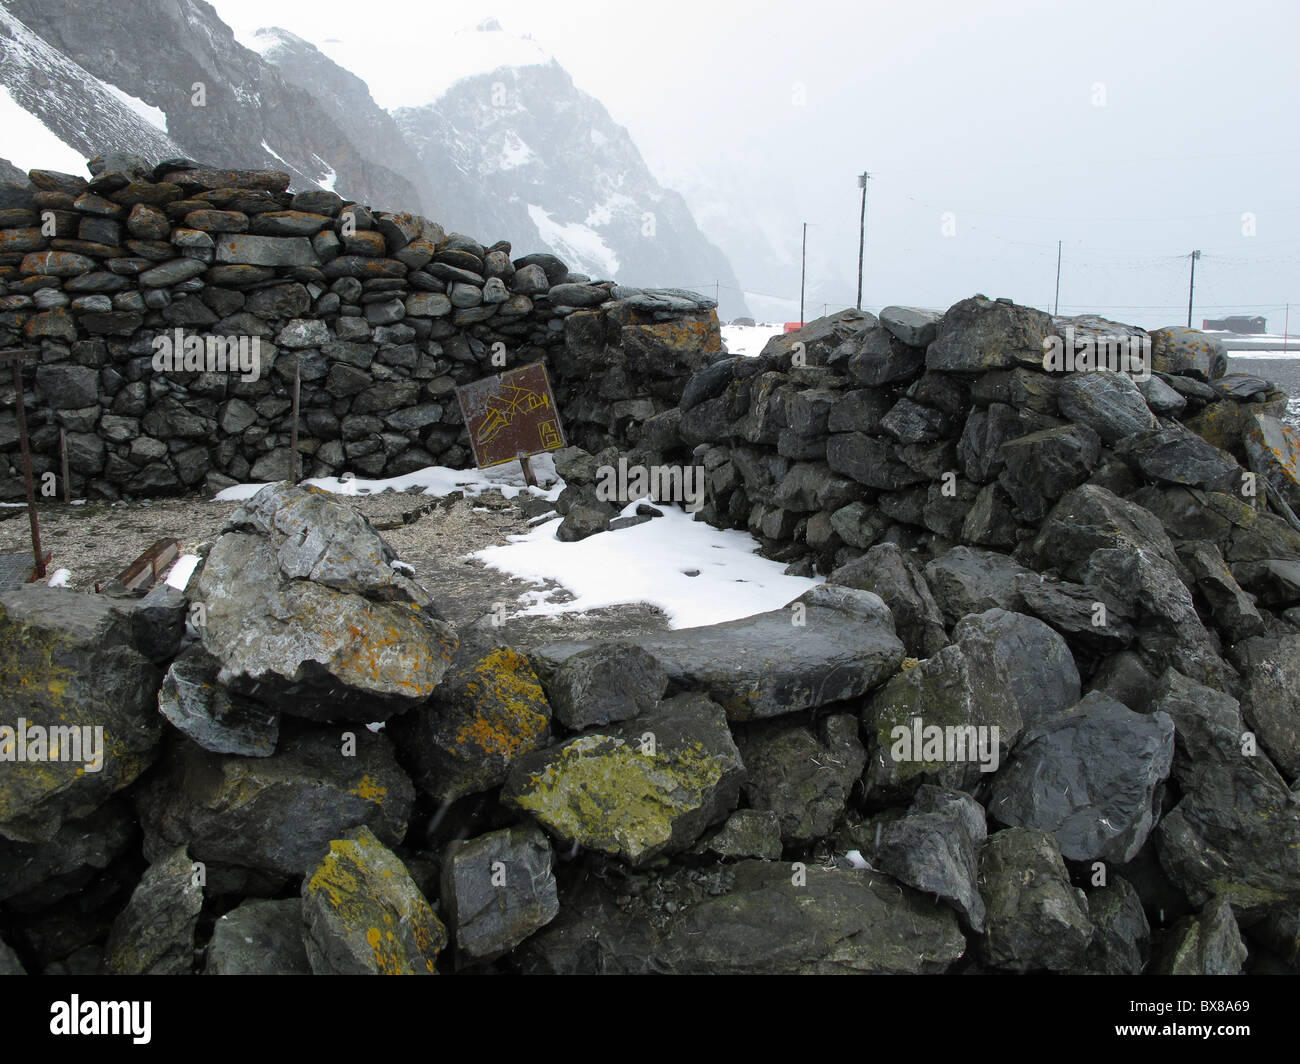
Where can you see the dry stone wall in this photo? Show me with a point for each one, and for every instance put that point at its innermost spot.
(174, 303)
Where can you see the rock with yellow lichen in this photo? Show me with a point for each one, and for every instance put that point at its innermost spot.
(1274, 451)
(1188, 352)
(364, 915)
(306, 613)
(276, 814)
(80, 702)
(649, 786)
(488, 710)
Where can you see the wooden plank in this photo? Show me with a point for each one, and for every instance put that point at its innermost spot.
(145, 570)
(17, 354)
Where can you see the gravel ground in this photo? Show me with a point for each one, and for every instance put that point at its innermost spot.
(97, 541)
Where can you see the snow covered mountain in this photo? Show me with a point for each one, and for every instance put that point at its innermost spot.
(70, 65)
(509, 149)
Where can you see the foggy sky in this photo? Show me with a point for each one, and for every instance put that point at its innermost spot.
(1133, 132)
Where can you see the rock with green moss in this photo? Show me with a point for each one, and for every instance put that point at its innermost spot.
(497, 890)
(79, 700)
(489, 710)
(637, 790)
(1206, 944)
(276, 814)
(1123, 936)
(1035, 918)
(935, 722)
(1270, 702)
(154, 934)
(259, 938)
(364, 915)
(9, 962)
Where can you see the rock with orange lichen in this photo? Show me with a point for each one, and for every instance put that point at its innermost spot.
(275, 815)
(488, 710)
(364, 915)
(1187, 352)
(306, 613)
(1274, 450)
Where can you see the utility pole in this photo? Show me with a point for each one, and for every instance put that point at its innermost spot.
(803, 270)
(863, 178)
(1286, 327)
(1191, 287)
(1056, 307)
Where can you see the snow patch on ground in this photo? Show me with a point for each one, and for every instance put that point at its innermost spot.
(578, 244)
(749, 340)
(154, 116)
(29, 145)
(331, 177)
(649, 563)
(60, 578)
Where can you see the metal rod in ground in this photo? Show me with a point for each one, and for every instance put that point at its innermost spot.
(63, 466)
(863, 178)
(1056, 307)
(529, 477)
(27, 471)
(293, 428)
(803, 270)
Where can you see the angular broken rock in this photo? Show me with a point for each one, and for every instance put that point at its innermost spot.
(198, 706)
(829, 645)
(980, 334)
(311, 650)
(278, 813)
(802, 777)
(154, 934)
(1123, 936)
(364, 915)
(259, 938)
(635, 790)
(885, 570)
(1092, 518)
(488, 710)
(35, 875)
(1089, 776)
(1274, 451)
(1236, 831)
(69, 673)
(1270, 701)
(966, 580)
(1041, 670)
(934, 848)
(949, 720)
(608, 683)
(1232, 609)
(1206, 944)
(1108, 403)
(1036, 919)
(747, 833)
(9, 962)
(497, 890)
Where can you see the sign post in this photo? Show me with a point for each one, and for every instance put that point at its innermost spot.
(17, 356)
(511, 416)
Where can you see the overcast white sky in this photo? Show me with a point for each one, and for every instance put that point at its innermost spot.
(1133, 132)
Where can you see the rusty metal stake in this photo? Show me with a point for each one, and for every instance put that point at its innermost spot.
(529, 478)
(63, 466)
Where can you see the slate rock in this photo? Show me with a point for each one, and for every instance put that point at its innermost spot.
(887, 571)
(154, 934)
(195, 704)
(1209, 943)
(608, 683)
(259, 937)
(966, 580)
(1110, 404)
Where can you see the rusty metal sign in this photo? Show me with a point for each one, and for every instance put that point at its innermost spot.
(511, 414)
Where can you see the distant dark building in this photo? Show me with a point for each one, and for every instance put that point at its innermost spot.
(1237, 323)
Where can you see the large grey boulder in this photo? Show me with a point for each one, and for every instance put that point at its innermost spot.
(1089, 776)
(276, 814)
(1110, 404)
(967, 580)
(885, 570)
(198, 706)
(1123, 935)
(980, 334)
(1270, 700)
(829, 645)
(497, 889)
(305, 611)
(154, 934)
(1209, 943)
(1188, 352)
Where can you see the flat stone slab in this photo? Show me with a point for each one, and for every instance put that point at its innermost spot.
(770, 664)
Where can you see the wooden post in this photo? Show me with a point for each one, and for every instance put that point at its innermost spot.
(16, 356)
(63, 466)
(527, 466)
(293, 428)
